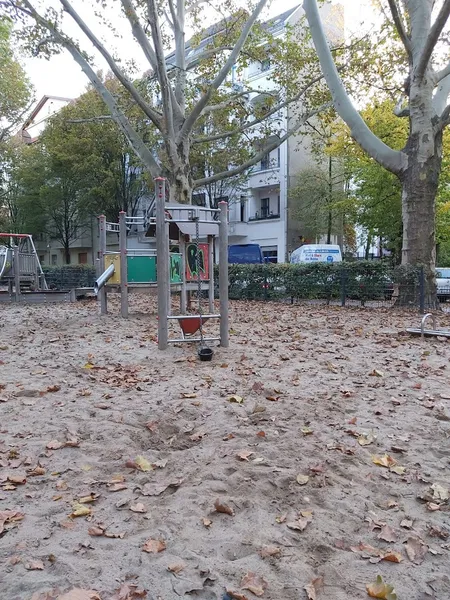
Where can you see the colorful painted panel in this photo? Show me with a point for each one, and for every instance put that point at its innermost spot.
(113, 259)
(175, 268)
(141, 269)
(191, 262)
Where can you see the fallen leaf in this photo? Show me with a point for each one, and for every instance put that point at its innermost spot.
(206, 522)
(267, 551)
(406, 523)
(9, 516)
(143, 464)
(302, 479)
(54, 445)
(397, 469)
(352, 421)
(440, 492)
(261, 434)
(154, 546)
(176, 568)
(197, 435)
(53, 388)
(37, 471)
(188, 395)
(223, 508)
(415, 550)
(384, 461)
(80, 510)
(376, 373)
(254, 583)
(236, 399)
(366, 438)
(299, 525)
(387, 534)
(272, 398)
(79, 594)
(390, 556)
(91, 498)
(236, 595)
(34, 565)
(129, 591)
(306, 430)
(138, 508)
(381, 590)
(117, 487)
(96, 530)
(160, 464)
(244, 455)
(17, 479)
(312, 589)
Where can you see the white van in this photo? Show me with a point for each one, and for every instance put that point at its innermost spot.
(311, 253)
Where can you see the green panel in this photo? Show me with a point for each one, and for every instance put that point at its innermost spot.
(141, 269)
(175, 268)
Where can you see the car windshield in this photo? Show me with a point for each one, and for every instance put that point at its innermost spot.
(443, 273)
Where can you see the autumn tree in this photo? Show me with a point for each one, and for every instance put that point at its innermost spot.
(417, 30)
(181, 88)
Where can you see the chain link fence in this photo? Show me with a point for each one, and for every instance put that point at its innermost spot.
(69, 276)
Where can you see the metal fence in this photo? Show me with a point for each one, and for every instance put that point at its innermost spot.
(69, 277)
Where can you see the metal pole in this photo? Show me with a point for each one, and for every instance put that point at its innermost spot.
(123, 264)
(162, 257)
(223, 273)
(421, 290)
(183, 293)
(101, 256)
(211, 272)
(16, 272)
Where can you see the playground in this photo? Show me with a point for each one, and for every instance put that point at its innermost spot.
(304, 460)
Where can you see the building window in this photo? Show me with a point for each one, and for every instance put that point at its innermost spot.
(270, 254)
(265, 162)
(278, 205)
(265, 65)
(199, 199)
(265, 208)
(82, 258)
(41, 259)
(54, 259)
(242, 209)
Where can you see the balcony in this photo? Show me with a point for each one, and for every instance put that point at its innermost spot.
(264, 216)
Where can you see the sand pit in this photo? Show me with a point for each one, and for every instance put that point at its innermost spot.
(322, 436)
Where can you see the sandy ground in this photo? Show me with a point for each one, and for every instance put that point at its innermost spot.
(90, 410)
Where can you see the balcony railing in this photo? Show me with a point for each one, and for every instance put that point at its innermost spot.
(264, 216)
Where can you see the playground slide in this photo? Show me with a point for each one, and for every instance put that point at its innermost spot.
(103, 279)
(5, 260)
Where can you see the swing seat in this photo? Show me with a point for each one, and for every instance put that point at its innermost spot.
(190, 326)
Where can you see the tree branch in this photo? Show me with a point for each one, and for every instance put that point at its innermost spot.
(139, 33)
(220, 77)
(432, 39)
(393, 160)
(91, 119)
(260, 155)
(440, 75)
(400, 26)
(147, 109)
(441, 95)
(445, 118)
(400, 110)
(272, 111)
(133, 138)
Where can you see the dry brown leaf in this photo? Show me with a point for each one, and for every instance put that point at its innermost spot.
(188, 395)
(176, 568)
(37, 471)
(9, 516)
(390, 556)
(138, 508)
(96, 530)
(116, 487)
(129, 591)
(415, 550)
(267, 551)
(17, 479)
(381, 590)
(244, 455)
(236, 399)
(254, 583)
(299, 525)
(206, 522)
(440, 493)
(34, 565)
(143, 464)
(387, 534)
(54, 445)
(236, 595)
(154, 546)
(53, 388)
(91, 498)
(406, 523)
(79, 594)
(367, 438)
(223, 508)
(384, 461)
(197, 435)
(312, 589)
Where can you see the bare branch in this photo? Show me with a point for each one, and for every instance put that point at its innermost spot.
(400, 26)
(400, 110)
(432, 39)
(441, 96)
(445, 118)
(393, 160)
(220, 78)
(147, 109)
(272, 111)
(260, 155)
(139, 33)
(91, 119)
(440, 75)
(133, 138)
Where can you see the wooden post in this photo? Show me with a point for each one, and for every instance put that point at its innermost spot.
(223, 274)
(183, 296)
(123, 264)
(162, 257)
(16, 262)
(211, 272)
(101, 255)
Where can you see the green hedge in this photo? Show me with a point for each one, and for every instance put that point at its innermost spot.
(359, 280)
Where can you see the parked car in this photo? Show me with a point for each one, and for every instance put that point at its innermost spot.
(443, 284)
(245, 254)
(313, 253)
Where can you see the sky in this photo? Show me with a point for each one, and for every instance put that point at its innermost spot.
(61, 76)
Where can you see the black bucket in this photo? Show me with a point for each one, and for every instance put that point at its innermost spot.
(205, 354)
